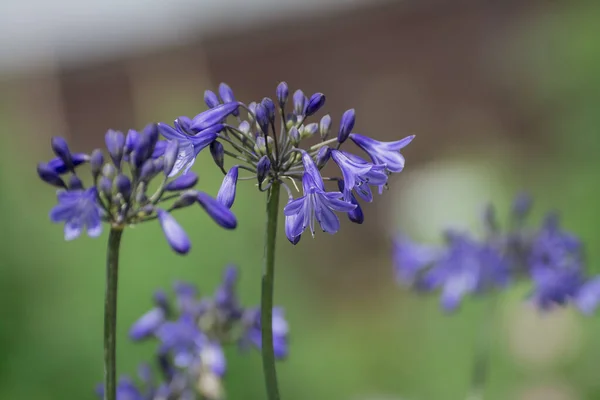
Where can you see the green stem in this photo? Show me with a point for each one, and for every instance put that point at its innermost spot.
(481, 359)
(110, 313)
(266, 303)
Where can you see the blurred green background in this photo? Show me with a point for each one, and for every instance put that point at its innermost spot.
(502, 97)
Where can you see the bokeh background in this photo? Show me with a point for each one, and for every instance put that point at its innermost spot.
(503, 96)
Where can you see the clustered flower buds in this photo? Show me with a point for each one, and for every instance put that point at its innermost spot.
(119, 191)
(191, 336)
(549, 257)
(275, 156)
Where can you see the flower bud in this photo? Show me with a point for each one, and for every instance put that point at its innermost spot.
(227, 96)
(315, 103)
(211, 99)
(184, 125)
(262, 169)
(109, 171)
(61, 149)
(48, 175)
(323, 156)
(123, 186)
(309, 130)
(96, 162)
(346, 125)
(217, 211)
(325, 126)
(106, 186)
(262, 118)
(218, 153)
(185, 199)
(170, 156)
(260, 147)
(270, 106)
(213, 116)
(226, 195)
(148, 171)
(131, 140)
(174, 233)
(282, 94)
(183, 182)
(115, 142)
(299, 102)
(294, 135)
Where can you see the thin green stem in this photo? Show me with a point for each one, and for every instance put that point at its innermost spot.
(110, 313)
(481, 358)
(266, 303)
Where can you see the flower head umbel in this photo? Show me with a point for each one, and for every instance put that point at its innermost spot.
(191, 335)
(550, 257)
(273, 155)
(119, 191)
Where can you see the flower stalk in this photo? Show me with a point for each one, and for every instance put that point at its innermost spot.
(266, 303)
(110, 313)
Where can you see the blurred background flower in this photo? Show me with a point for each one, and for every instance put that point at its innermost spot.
(503, 96)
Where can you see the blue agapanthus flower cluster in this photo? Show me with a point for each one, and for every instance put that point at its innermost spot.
(191, 334)
(549, 257)
(274, 155)
(119, 192)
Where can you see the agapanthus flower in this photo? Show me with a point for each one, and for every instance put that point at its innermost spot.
(276, 156)
(119, 192)
(549, 257)
(191, 335)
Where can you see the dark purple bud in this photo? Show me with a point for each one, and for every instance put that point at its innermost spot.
(218, 153)
(170, 156)
(299, 102)
(96, 162)
(131, 140)
(48, 175)
(262, 117)
(211, 99)
(346, 125)
(315, 103)
(262, 168)
(183, 182)
(153, 134)
(355, 215)
(325, 126)
(75, 183)
(59, 166)
(106, 186)
(148, 170)
(282, 94)
(213, 116)
(226, 195)
(142, 151)
(176, 236)
(123, 186)
(115, 142)
(323, 156)
(61, 149)
(270, 106)
(217, 211)
(186, 199)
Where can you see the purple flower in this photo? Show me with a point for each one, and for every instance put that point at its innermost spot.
(226, 195)
(78, 209)
(213, 358)
(315, 204)
(587, 297)
(383, 153)
(148, 323)
(226, 298)
(182, 339)
(465, 267)
(189, 145)
(358, 174)
(355, 215)
(253, 334)
(315, 103)
(176, 236)
(346, 125)
(554, 286)
(211, 99)
(411, 258)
